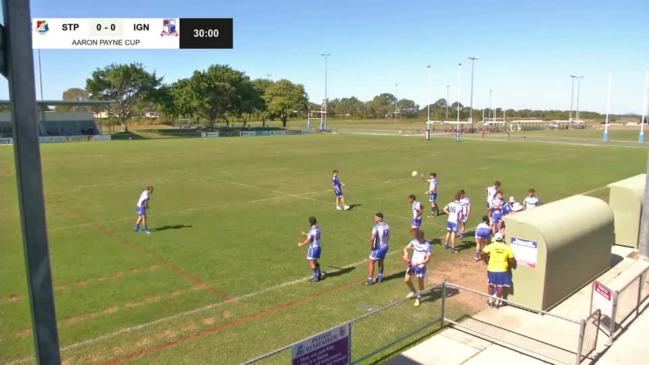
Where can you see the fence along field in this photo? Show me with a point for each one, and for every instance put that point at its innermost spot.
(223, 271)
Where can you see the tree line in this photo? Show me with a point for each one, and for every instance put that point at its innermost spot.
(223, 94)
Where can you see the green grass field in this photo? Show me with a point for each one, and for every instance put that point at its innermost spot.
(220, 280)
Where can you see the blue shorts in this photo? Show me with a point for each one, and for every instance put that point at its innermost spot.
(379, 253)
(432, 197)
(338, 192)
(314, 253)
(418, 270)
(141, 210)
(500, 278)
(416, 223)
(451, 227)
(496, 217)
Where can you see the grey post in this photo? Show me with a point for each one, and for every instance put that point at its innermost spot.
(443, 314)
(19, 69)
(643, 245)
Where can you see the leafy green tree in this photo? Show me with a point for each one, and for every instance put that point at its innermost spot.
(74, 94)
(127, 85)
(283, 98)
(381, 105)
(408, 108)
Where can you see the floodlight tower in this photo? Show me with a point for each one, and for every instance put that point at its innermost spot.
(428, 107)
(472, 59)
(459, 79)
(572, 96)
(448, 98)
(645, 105)
(608, 106)
(579, 78)
(396, 102)
(324, 120)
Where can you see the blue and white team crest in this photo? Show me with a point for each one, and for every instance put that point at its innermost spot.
(42, 27)
(169, 28)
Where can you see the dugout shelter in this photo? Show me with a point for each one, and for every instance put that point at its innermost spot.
(558, 251)
(625, 199)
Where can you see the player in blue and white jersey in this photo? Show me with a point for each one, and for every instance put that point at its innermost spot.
(491, 192)
(417, 212)
(338, 191)
(465, 202)
(454, 212)
(531, 200)
(421, 251)
(432, 193)
(496, 211)
(379, 246)
(142, 207)
(482, 237)
(314, 239)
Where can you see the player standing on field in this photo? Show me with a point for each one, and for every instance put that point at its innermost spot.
(465, 202)
(491, 192)
(417, 212)
(532, 200)
(454, 212)
(142, 207)
(432, 193)
(313, 239)
(500, 259)
(338, 191)
(379, 241)
(421, 251)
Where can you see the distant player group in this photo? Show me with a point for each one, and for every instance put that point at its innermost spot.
(417, 253)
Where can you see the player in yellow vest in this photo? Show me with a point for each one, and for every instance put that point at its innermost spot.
(500, 259)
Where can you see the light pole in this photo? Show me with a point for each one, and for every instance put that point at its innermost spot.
(459, 79)
(428, 107)
(645, 103)
(572, 97)
(578, 92)
(472, 59)
(324, 120)
(608, 106)
(396, 102)
(490, 108)
(448, 99)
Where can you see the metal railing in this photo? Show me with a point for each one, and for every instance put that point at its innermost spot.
(360, 355)
(585, 330)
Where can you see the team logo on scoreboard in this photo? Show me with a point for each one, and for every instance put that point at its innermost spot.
(42, 27)
(169, 27)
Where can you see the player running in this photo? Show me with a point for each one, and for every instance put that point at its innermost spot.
(417, 212)
(432, 193)
(482, 236)
(532, 200)
(314, 239)
(465, 202)
(500, 259)
(142, 207)
(421, 251)
(496, 211)
(454, 212)
(338, 191)
(379, 241)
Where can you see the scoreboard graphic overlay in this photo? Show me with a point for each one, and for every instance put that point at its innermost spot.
(132, 33)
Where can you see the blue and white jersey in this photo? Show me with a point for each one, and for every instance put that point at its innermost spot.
(314, 236)
(416, 208)
(532, 202)
(419, 251)
(454, 212)
(483, 231)
(491, 194)
(336, 182)
(466, 205)
(381, 233)
(143, 202)
(432, 185)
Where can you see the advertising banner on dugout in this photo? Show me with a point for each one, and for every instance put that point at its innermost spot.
(330, 347)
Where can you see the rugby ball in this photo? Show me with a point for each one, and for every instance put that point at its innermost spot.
(414, 173)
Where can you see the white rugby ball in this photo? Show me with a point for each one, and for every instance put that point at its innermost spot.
(414, 173)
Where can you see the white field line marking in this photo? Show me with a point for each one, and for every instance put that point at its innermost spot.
(288, 196)
(593, 190)
(193, 311)
(621, 144)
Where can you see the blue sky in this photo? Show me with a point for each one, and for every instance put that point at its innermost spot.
(527, 48)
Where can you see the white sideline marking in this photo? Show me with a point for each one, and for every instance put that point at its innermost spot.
(193, 311)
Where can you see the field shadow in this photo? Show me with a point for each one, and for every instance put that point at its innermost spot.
(352, 206)
(339, 271)
(396, 275)
(176, 226)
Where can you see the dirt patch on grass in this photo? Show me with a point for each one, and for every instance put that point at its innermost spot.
(466, 272)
